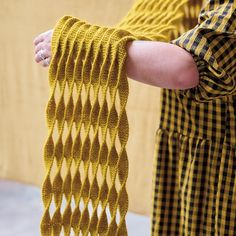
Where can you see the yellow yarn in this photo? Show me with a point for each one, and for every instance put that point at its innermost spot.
(85, 156)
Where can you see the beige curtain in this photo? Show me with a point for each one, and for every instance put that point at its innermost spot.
(24, 93)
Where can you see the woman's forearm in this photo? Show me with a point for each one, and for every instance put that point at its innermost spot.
(161, 64)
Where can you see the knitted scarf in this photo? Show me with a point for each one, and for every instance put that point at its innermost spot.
(84, 191)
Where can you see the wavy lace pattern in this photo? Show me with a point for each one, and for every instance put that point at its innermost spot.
(84, 191)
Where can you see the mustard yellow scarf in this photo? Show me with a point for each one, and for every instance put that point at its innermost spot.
(84, 190)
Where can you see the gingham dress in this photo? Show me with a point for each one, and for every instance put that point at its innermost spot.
(195, 156)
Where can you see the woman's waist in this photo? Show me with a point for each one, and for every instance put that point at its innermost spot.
(214, 120)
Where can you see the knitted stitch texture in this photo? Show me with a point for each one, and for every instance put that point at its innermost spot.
(84, 191)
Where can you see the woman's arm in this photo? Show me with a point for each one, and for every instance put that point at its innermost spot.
(161, 64)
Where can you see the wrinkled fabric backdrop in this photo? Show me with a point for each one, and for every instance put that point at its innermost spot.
(24, 92)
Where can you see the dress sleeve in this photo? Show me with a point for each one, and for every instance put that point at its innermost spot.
(212, 43)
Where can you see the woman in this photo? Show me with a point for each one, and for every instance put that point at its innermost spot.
(195, 172)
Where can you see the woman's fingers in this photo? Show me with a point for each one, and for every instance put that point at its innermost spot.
(42, 51)
(46, 36)
(46, 62)
(42, 55)
(43, 48)
(39, 38)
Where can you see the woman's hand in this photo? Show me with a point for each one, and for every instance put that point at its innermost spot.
(43, 48)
